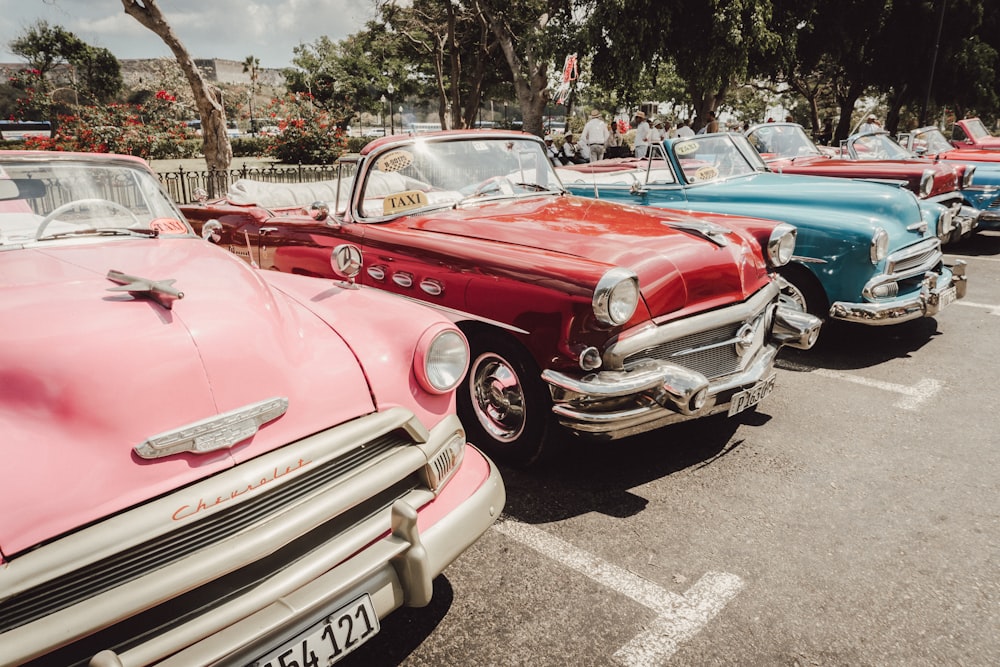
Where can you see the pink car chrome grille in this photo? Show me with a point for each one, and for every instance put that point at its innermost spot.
(87, 582)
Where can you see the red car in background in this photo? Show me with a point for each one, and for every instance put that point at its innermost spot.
(206, 463)
(971, 134)
(608, 320)
(786, 148)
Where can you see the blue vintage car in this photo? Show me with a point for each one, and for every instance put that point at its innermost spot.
(866, 252)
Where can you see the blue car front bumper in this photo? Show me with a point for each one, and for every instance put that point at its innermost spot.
(937, 291)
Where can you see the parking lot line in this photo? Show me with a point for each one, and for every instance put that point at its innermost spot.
(912, 396)
(994, 310)
(679, 617)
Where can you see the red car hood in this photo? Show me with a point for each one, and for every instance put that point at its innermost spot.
(911, 171)
(677, 269)
(87, 374)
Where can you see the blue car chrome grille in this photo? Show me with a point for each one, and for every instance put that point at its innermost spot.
(922, 256)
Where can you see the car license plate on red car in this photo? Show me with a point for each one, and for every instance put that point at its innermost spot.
(330, 640)
(751, 397)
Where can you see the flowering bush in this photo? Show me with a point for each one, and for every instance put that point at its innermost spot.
(149, 131)
(32, 104)
(307, 134)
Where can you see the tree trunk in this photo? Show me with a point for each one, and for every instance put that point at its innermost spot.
(531, 78)
(846, 100)
(208, 99)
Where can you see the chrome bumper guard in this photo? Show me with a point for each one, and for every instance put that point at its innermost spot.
(935, 293)
(968, 219)
(650, 393)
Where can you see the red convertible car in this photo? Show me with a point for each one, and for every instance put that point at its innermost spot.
(971, 134)
(787, 149)
(610, 319)
(205, 463)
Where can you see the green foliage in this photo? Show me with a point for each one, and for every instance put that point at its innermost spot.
(100, 75)
(308, 134)
(252, 146)
(45, 46)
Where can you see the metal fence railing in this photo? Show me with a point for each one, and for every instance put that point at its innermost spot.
(182, 184)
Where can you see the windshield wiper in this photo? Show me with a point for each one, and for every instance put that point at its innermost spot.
(535, 186)
(103, 231)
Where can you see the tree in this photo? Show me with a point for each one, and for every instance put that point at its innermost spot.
(460, 48)
(208, 100)
(99, 73)
(45, 47)
(531, 34)
(63, 61)
(711, 45)
(339, 77)
(251, 64)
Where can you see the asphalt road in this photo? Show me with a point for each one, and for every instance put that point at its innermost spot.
(854, 519)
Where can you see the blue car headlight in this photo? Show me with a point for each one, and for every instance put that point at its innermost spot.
(781, 245)
(879, 245)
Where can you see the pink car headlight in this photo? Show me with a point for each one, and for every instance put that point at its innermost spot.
(441, 359)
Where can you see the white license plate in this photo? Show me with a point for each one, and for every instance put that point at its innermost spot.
(328, 641)
(751, 397)
(947, 296)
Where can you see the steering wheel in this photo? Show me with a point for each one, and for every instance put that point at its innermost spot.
(59, 210)
(494, 184)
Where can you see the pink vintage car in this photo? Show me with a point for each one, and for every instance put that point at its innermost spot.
(206, 463)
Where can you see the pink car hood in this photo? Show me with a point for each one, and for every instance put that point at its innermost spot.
(677, 269)
(87, 374)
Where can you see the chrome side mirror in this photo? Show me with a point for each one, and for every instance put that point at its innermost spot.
(319, 210)
(211, 231)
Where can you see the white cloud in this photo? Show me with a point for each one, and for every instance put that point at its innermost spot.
(229, 29)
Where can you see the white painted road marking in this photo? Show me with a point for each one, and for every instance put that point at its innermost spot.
(975, 258)
(994, 310)
(679, 617)
(913, 396)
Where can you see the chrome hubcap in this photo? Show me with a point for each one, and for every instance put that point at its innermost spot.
(497, 397)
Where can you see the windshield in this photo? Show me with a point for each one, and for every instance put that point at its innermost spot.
(782, 141)
(42, 200)
(434, 173)
(878, 147)
(713, 157)
(931, 140)
(976, 128)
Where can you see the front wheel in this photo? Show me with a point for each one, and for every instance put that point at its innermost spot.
(800, 289)
(504, 404)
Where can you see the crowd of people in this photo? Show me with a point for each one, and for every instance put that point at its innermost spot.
(601, 139)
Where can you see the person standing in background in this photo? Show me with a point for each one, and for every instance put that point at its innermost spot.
(870, 125)
(595, 135)
(713, 123)
(642, 135)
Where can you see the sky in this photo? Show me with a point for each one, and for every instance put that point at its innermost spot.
(226, 29)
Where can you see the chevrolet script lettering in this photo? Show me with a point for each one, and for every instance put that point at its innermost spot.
(187, 511)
